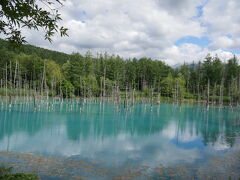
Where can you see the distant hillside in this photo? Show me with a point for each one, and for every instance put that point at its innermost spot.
(176, 66)
(59, 57)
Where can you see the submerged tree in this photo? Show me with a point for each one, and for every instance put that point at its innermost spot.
(212, 80)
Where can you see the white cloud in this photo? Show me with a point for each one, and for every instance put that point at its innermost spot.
(147, 28)
(171, 132)
(223, 23)
(189, 53)
(149, 150)
(223, 42)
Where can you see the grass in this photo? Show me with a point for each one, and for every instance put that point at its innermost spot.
(6, 174)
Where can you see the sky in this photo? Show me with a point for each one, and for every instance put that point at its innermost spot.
(174, 31)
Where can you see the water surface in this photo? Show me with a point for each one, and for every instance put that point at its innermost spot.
(113, 136)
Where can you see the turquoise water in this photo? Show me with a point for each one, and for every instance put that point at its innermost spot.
(114, 136)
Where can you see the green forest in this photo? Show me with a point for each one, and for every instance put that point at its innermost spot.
(27, 70)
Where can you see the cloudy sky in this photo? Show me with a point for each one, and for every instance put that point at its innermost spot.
(175, 31)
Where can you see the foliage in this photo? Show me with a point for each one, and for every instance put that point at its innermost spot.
(53, 72)
(168, 85)
(58, 57)
(67, 89)
(180, 86)
(86, 75)
(17, 14)
(6, 174)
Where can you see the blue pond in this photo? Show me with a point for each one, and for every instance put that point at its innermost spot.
(103, 140)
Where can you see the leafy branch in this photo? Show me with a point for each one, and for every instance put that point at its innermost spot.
(18, 14)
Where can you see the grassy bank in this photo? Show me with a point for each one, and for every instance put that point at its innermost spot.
(7, 174)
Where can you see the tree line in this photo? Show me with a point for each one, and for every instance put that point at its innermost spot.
(104, 75)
